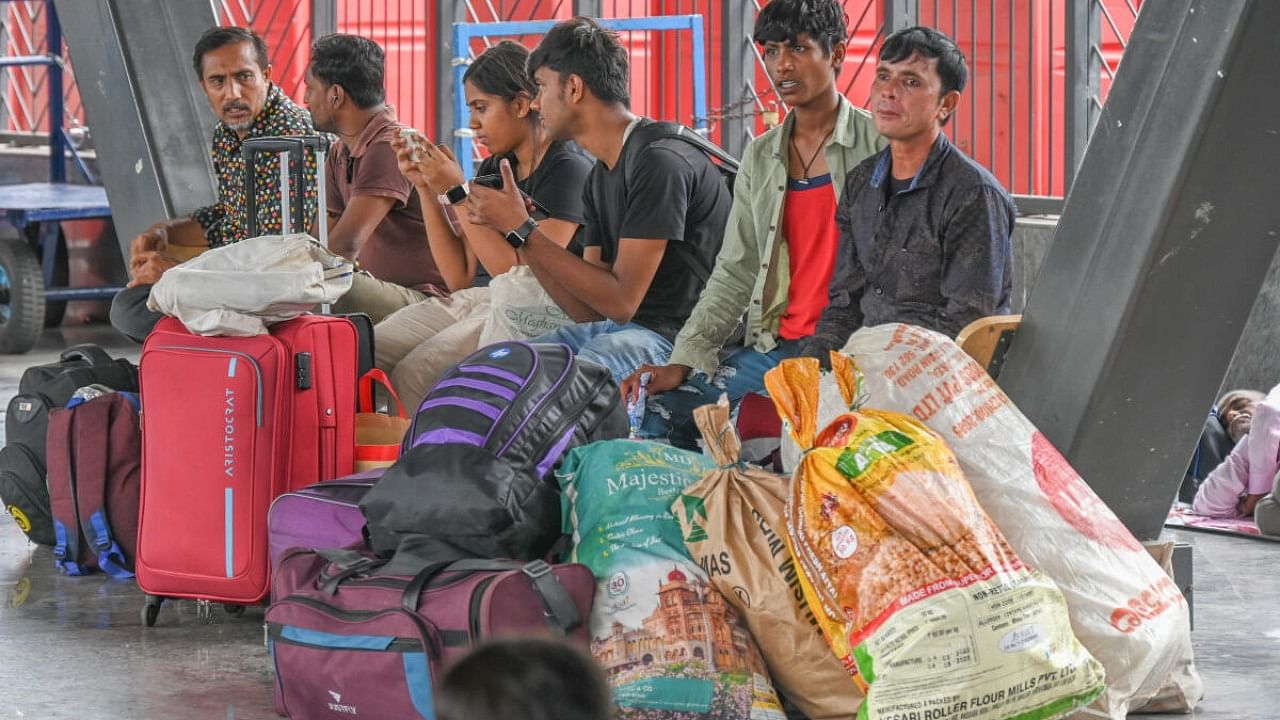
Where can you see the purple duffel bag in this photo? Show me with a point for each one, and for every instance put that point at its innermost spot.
(324, 515)
(348, 629)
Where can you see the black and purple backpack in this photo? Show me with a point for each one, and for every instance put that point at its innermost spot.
(475, 478)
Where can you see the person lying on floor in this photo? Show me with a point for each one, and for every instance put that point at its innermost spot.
(779, 246)
(374, 212)
(651, 231)
(1244, 484)
(419, 342)
(1228, 421)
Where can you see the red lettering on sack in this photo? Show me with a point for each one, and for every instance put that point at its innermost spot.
(1074, 501)
(1149, 604)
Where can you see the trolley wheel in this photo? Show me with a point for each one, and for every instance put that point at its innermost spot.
(21, 296)
(151, 610)
(53, 311)
(234, 610)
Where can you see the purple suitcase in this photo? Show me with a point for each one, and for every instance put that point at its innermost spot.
(343, 634)
(323, 515)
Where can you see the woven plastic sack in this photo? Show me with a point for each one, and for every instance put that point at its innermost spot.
(733, 522)
(672, 647)
(239, 289)
(912, 583)
(1125, 609)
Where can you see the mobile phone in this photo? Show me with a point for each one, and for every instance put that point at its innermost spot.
(495, 182)
(413, 141)
(489, 181)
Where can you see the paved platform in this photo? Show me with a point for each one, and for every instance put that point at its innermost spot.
(76, 648)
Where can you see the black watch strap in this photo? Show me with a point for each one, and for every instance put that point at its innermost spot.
(518, 237)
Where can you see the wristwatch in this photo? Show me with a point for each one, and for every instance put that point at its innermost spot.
(518, 237)
(456, 194)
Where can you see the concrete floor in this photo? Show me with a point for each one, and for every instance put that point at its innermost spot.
(76, 648)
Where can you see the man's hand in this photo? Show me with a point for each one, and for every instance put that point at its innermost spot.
(1248, 503)
(501, 210)
(180, 239)
(662, 378)
(154, 239)
(148, 266)
(425, 165)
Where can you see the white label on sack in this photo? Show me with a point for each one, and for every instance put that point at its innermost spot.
(1021, 638)
(844, 541)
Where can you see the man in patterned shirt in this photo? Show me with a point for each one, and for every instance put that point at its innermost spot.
(234, 72)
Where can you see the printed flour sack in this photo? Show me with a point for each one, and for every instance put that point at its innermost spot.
(733, 522)
(1124, 608)
(913, 585)
(672, 648)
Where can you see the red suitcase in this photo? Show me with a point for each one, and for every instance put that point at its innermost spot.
(229, 424)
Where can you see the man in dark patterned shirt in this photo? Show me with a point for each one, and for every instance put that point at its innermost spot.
(924, 230)
(234, 72)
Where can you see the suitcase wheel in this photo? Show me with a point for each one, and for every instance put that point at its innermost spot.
(151, 610)
(234, 610)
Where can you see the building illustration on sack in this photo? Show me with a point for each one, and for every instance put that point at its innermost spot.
(691, 623)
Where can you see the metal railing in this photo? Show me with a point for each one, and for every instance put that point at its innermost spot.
(652, 30)
(24, 100)
(1039, 70)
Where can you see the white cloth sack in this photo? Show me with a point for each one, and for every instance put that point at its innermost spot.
(239, 288)
(1124, 608)
(520, 309)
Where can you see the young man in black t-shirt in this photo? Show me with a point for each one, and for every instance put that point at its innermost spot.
(651, 233)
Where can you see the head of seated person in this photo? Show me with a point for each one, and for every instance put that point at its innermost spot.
(580, 69)
(344, 83)
(527, 678)
(234, 72)
(500, 94)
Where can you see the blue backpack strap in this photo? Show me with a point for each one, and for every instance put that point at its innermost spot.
(62, 495)
(89, 471)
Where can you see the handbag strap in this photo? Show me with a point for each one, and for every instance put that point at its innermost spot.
(558, 606)
(366, 392)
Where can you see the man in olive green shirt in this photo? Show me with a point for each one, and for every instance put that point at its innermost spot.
(780, 241)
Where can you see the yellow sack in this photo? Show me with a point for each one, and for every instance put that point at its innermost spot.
(732, 522)
(914, 587)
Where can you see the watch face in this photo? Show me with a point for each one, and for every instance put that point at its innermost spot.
(456, 194)
(515, 240)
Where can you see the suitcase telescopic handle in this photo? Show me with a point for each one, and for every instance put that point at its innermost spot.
(294, 174)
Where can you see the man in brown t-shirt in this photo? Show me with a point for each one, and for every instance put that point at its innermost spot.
(375, 215)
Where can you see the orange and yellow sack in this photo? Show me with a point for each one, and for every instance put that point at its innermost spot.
(914, 587)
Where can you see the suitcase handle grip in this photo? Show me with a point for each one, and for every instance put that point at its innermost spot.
(283, 143)
(253, 146)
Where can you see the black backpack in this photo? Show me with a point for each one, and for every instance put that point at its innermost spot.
(475, 479)
(650, 132)
(23, 489)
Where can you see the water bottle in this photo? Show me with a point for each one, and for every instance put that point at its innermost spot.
(635, 408)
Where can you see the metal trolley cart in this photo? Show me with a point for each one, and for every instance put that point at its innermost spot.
(33, 266)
